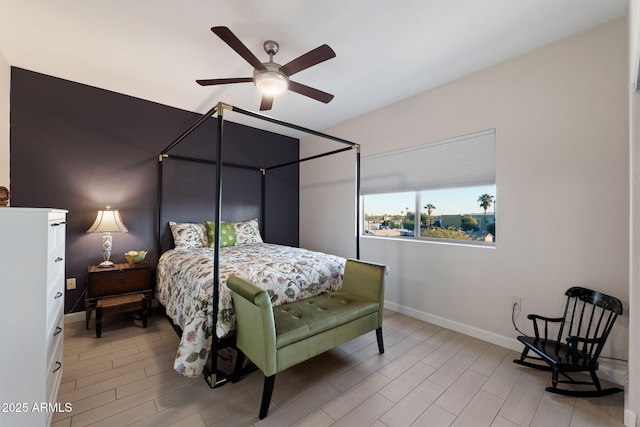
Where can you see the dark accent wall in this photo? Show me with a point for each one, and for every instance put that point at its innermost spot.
(80, 148)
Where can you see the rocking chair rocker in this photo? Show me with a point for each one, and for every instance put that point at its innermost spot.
(586, 323)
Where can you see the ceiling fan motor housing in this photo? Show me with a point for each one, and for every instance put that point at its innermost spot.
(271, 47)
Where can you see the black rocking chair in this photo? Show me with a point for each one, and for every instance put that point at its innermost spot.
(587, 321)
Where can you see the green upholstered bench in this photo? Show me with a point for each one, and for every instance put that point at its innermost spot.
(276, 338)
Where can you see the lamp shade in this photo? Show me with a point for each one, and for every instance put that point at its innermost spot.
(108, 221)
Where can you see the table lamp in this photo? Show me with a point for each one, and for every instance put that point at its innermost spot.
(108, 221)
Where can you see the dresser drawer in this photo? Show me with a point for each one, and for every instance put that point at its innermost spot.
(54, 372)
(57, 231)
(55, 268)
(55, 305)
(54, 334)
(118, 281)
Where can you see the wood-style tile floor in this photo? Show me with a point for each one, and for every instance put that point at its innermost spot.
(428, 376)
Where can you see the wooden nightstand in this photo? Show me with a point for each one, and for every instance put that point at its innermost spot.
(121, 279)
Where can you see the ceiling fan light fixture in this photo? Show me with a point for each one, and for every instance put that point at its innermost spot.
(271, 82)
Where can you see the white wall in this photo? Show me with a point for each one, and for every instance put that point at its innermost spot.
(5, 84)
(561, 120)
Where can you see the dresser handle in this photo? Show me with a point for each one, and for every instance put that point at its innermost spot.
(58, 295)
(58, 259)
(56, 224)
(59, 365)
(58, 330)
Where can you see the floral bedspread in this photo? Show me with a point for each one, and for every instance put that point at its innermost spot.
(185, 288)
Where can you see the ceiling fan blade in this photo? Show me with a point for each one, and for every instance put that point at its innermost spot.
(309, 59)
(229, 38)
(310, 92)
(210, 82)
(266, 103)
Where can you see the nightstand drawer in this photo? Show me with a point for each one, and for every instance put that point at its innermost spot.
(113, 281)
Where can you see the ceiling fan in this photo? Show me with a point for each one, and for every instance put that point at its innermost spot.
(271, 78)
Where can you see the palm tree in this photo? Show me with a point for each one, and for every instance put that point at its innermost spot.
(429, 207)
(485, 203)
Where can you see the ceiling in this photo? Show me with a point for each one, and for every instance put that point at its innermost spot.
(386, 50)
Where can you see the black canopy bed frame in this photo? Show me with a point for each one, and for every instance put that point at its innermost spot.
(213, 376)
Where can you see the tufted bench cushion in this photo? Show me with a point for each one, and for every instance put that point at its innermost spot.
(302, 319)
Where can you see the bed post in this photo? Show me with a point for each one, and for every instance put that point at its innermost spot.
(160, 192)
(357, 201)
(263, 202)
(211, 368)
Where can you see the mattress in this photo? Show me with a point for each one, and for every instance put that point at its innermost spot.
(185, 288)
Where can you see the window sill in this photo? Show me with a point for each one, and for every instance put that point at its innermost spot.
(448, 242)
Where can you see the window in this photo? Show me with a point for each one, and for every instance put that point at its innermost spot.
(444, 190)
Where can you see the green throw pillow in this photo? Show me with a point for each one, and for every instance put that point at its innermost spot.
(227, 234)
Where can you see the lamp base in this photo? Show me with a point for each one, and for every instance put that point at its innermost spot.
(105, 264)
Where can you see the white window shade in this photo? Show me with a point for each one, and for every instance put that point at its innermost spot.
(463, 161)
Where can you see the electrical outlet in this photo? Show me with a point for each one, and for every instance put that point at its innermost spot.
(71, 283)
(516, 303)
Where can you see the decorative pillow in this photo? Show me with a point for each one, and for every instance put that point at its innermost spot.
(247, 232)
(188, 235)
(227, 234)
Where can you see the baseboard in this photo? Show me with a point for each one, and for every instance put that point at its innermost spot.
(608, 370)
(78, 316)
(630, 418)
(502, 341)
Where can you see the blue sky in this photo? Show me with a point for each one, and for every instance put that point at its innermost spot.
(447, 201)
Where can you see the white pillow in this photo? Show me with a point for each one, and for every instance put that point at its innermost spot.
(247, 232)
(187, 235)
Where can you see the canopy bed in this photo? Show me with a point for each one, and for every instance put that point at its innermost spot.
(192, 275)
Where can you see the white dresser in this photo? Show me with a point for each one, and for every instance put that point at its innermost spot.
(32, 277)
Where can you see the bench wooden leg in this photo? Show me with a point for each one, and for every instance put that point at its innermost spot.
(267, 391)
(238, 367)
(379, 338)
